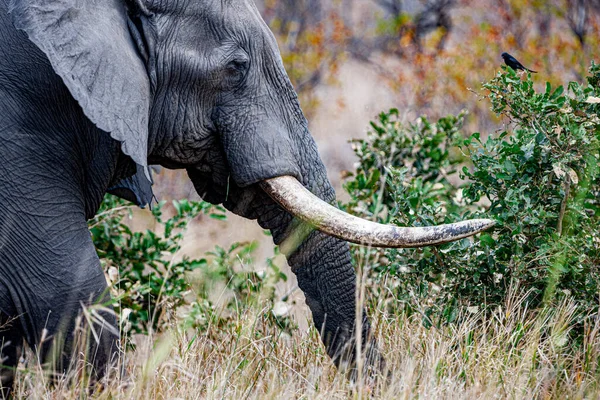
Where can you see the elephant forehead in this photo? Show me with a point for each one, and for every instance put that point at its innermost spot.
(206, 24)
(210, 9)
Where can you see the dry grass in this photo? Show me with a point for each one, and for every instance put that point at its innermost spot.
(511, 354)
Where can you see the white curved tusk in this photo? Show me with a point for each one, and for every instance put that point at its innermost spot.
(300, 202)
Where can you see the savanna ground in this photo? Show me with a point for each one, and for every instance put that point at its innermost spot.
(232, 324)
(507, 355)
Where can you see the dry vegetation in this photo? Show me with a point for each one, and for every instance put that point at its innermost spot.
(510, 355)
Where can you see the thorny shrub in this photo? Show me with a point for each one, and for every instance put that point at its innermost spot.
(538, 179)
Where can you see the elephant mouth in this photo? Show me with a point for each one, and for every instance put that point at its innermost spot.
(301, 203)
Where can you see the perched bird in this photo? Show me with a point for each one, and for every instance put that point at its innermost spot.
(514, 63)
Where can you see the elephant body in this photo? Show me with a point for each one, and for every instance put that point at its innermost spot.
(55, 167)
(93, 92)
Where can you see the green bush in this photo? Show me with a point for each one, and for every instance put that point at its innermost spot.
(538, 179)
(153, 287)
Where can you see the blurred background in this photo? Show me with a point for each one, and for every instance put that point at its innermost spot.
(351, 59)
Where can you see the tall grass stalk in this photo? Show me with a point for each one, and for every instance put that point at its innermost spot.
(510, 353)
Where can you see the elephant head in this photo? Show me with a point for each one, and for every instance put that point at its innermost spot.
(200, 85)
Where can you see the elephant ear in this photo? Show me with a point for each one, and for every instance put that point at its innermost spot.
(90, 47)
(136, 189)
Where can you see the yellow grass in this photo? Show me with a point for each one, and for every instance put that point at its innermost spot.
(511, 354)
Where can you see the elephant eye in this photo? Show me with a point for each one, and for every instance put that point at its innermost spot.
(237, 65)
(236, 69)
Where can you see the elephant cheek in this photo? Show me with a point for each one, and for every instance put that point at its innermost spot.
(260, 153)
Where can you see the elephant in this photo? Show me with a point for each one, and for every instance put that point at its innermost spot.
(92, 93)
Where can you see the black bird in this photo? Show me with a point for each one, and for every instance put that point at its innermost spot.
(514, 63)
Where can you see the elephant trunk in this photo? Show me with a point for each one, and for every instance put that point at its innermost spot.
(300, 202)
(323, 266)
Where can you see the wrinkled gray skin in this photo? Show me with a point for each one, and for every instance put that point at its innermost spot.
(92, 91)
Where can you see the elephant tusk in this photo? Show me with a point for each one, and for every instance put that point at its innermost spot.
(300, 202)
